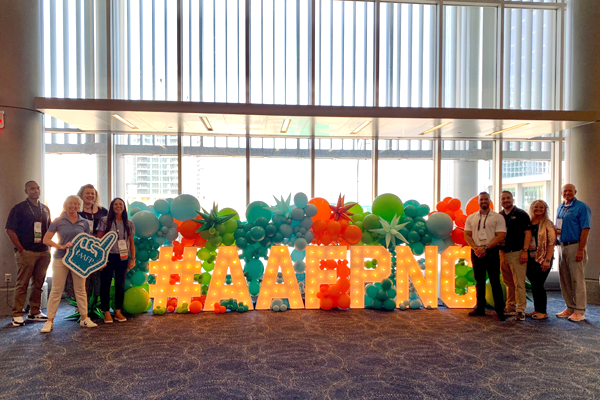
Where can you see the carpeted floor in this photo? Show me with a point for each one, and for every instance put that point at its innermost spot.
(439, 354)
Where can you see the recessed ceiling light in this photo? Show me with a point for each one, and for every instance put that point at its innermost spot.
(507, 129)
(285, 125)
(123, 120)
(360, 127)
(206, 123)
(435, 128)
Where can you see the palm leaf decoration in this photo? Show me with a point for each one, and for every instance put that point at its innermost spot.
(93, 307)
(211, 219)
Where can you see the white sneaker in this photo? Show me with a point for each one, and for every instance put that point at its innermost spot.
(41, 317)
(18, 321)
(48, 325)
(88, 323)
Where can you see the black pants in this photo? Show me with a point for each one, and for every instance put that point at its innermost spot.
(489, 263)
(537, 278)
(117, 267)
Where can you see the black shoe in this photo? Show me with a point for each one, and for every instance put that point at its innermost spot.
(501, 316)
(476, 313)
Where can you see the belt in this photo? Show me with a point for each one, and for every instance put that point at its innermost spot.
(513, 251)
(568, 243)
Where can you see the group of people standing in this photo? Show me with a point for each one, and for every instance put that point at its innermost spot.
(31, 230)
(521, 245)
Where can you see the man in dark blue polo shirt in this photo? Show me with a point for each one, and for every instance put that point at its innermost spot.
(573, 222)
(26, 226)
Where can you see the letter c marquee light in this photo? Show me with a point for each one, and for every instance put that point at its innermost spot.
(448, 295)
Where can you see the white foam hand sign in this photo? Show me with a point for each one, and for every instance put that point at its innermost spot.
(89, 253)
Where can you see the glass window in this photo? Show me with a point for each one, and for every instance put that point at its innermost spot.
(345, 172)
(406, 169)
(68, 166)
(146, 172)
(215, 174)
(527, 171)
(467, 169)
(407, 55)
(279, 171)
(469, 71)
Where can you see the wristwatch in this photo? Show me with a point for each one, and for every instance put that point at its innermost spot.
(547, 260)
(485, 248)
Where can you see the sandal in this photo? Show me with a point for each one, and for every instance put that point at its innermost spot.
(531, 314)
(538, 315)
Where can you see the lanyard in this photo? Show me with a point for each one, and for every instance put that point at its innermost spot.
(117, 230)
(32, 213)
(484, 220)
(565, 209)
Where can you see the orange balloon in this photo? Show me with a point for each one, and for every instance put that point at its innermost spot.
(323, 209)
(473, 205)
(353, 234)
(334, 291)
(458, 236)
(188, 242)
(199, 241)
(343, 272)
(326, 303)
(188, 229)
(447, 199)
(326, 238)
(451, 214)
(461, 220)
(441, 206)
(319, 226)
(344, 301)
(172, 302)
(171, 309)
(454, 205)
(344, 223)
(343, 284)
(334, 227)
(195, 307)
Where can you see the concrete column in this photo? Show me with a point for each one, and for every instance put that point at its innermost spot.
(584, 149)
(465, 180)
(21, 140)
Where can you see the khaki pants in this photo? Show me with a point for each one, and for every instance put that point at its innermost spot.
(30, 264)
(59, 277)
(572, 278)
(513, 275)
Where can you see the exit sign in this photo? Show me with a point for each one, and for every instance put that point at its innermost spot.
(1, 119)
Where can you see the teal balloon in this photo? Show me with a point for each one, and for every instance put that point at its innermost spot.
(407, 220)
(238, 233)
(441, 245)
(137, 204)
(300, 200)
(299, 267)
(143, 255)
(297, 255)
(411, 202)
(410, 211)
(286, 230)
(166, 220)
(184, 207)
(146, 224)
(417, 248)
(423, 210)
(387, 206)
(297, 214)
(381, 295)
(311, 210)
(161, 206)
(300, 244)
(153, 255)
(389, 305)
(254, 288)
(261, 221)
(440, 225)
(256, 210)
(391, 293)
(377, 304)
(139, 278)
(386, 284)
(254, 269)
(413, 237)
(426, 239)
(270, 230)
(172, 235)
(258, 233)
(136, 300)
(416, 303)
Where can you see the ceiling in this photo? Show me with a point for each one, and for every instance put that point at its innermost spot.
(166, 117)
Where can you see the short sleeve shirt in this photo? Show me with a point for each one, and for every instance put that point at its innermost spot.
(67, 231)
(96, 217)
(492, 223)
(118, 227)
(576, 217)
(517, 223)
(21, 219)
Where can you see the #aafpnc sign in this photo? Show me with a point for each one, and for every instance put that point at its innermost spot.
(89, 253)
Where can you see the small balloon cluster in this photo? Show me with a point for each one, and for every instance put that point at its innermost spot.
(416, 229)
(334, 224)
(208, 258)
(381, 295)
(371, 264)
(413, 302)
(232, 305)
(279, 305)
(464, 276)
(336, 295)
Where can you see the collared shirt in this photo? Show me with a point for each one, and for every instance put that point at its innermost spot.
(517, 223)
(21, 219)
(576, 217)
(118, 227)
(95, 217)
(492, 223)
(67, 231)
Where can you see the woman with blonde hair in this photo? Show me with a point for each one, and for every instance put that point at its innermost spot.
(67, 226)
(541, 253)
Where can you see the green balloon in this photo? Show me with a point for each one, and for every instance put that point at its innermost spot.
(461, 282)
(371, 222)
(359, 224)
(461, 269)
(210, 246)
(382, 295)
(372, 291)
(470, 276)
(221, 229)
(227, 211)
(256, 210)
(367, 238)
(489, 297)
(136, 300)
(387, 206)
(391, 293)
(389, 305)
(254, 288)
(377, 304)
(230, 226)
(215, 241)
(206, 277)
(228, 239)
(207, 266)
(203, 254)
(357, 217)
(414, 237)
(386, 284)
(355, 209)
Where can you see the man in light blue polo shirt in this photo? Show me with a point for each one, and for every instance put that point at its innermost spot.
(573, 220)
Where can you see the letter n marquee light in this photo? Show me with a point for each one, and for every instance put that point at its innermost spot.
(227, 257)
(425, 285)
(315, 277)
(270, 289)
(359, 276)
(448, 295)
(164, 267)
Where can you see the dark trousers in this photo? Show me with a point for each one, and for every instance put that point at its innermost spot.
(117, 267)
(537, 278)
(489, 263)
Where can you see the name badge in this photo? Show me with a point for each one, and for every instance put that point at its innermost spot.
(559, 224)
(91, 224)
(123, 251)
(482, 236)
(37, 232)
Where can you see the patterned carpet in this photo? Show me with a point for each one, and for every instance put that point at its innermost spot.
(362, 354)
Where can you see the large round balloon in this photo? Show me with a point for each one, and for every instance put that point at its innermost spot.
(473, 205)
(256, 210)
(188, 229)
(489, 296)
(146, 224)
(387, 206)
(458, 236)
(136, 300)
(228, 211)
(184, 207)
(440, 225)
(161, 206)
(323, 209)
